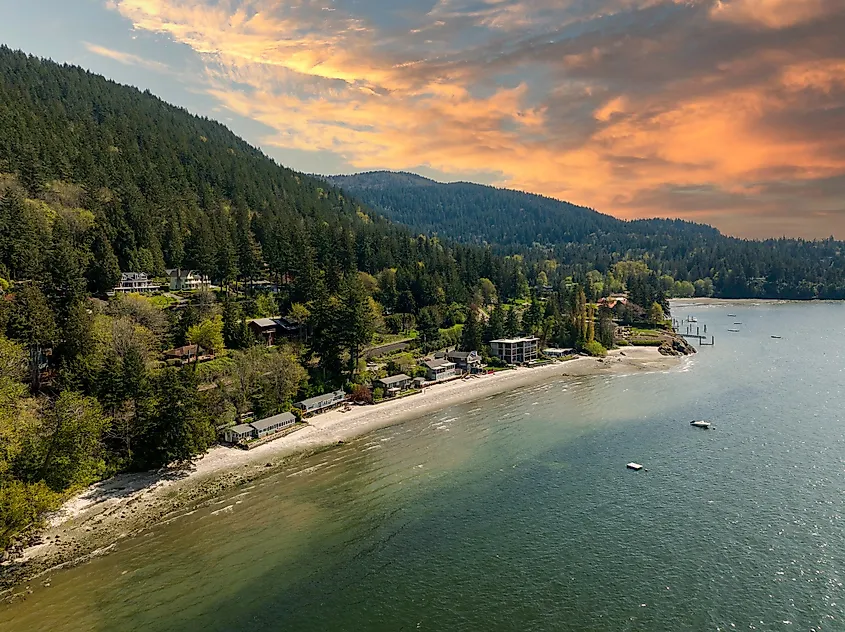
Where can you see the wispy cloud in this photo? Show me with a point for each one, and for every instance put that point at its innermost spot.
(724, 111)
(126, 58)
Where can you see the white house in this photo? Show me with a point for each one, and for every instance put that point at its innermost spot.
(438, 370)
(132, 282)
(558, 353)
(515, 350)
(186, 280)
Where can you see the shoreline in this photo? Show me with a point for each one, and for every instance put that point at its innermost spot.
(94, 520)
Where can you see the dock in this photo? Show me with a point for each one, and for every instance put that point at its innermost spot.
(634, 466)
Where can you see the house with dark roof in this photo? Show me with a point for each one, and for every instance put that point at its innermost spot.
(270, 330)
(321, 403)
(395, 383)
(465, 361)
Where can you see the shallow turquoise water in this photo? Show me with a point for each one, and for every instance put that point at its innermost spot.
(517, 512)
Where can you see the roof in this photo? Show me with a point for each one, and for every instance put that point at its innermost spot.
(321, 398)
(187, 350)
(263, 424)
(438, 364)
(241, 428)
(395, 379)
(510, 341)
(264, 323)
(462, 355)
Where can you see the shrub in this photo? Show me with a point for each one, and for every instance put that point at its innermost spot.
(362, 394)
(378, 394)
(595, 349)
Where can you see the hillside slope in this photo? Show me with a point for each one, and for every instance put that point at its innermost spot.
(517, 222)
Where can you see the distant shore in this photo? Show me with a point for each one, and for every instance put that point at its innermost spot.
(91, 522)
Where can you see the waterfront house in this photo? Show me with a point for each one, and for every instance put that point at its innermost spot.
(187, 354)
(259, 429)
(515, 350)
(135, 282)
(395, 383)
(438, 370)
(186, 280)
(321, 403)
(236, 434)
(558, 353)
(465, 361)
(272, 425)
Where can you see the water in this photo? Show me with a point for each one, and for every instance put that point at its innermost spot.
(517, 512)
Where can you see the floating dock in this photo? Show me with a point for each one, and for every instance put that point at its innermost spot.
(634, 466)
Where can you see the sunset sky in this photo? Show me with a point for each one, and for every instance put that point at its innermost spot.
(727, 112)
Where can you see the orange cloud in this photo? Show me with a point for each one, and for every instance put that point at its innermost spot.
(126, 58)
(770, 13)
(636, 107)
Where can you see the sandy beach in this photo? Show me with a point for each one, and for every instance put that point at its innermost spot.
(92, 521)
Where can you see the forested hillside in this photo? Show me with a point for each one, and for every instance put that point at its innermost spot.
(516, 222)
(98, 179)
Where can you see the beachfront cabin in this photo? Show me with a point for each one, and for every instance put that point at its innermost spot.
(321, 403)
(465, 361)
(419, 382)
(135, 283)
(187, 354)
(558, 353)
(186, 280)
(241, 432)
(395, 384)
(272, 425)
(515, 350)
(439, 370)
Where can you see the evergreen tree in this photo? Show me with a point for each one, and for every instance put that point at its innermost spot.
(495, 329)
(511, 326)
(471, 336)
(104, 269)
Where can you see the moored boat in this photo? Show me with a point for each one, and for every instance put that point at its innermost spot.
(700, 424)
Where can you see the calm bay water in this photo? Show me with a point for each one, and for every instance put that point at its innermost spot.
(517, 512)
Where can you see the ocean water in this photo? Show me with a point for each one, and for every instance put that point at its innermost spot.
(517, 512)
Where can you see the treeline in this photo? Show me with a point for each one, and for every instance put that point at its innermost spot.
(582, 239)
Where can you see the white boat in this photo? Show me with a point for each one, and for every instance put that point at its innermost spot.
(733, 330)
(692, 319)
(634, 466)
(776, 337)
(700, 424)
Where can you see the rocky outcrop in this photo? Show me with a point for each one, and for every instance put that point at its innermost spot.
(677, 346)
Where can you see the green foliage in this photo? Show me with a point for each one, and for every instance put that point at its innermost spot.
(595, 349)
(21, 507)
(582, 240)
(208, 335)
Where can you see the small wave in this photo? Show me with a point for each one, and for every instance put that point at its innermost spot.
(226, 509)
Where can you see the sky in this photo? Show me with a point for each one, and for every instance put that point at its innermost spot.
(728, 112)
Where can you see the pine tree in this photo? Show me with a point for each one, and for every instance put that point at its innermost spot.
(495, 325)
(471, 336)
(511, 326)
